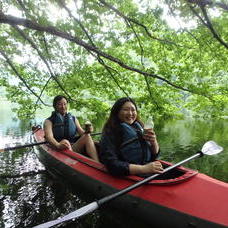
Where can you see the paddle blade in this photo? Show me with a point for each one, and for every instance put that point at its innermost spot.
(211, 148)
(73, 215)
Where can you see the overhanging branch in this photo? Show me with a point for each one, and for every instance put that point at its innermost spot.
(97, 56)
(134, 22)
(9, 62)
(206, 21)
(42, 57)
(11, 20)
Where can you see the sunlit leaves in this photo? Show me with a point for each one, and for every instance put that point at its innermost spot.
(135, 32)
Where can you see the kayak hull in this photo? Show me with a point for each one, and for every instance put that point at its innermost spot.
(190, 200)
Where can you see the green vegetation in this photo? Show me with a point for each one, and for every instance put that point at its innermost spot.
(94, 51)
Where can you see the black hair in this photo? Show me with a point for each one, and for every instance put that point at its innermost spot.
(113, 122)
(117, 107)
(57, 99)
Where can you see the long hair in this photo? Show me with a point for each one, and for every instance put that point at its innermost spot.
(112, 125)
(57, 99)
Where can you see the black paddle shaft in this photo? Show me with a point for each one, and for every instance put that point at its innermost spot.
(132, 187)
(23, 146)
(36, 144)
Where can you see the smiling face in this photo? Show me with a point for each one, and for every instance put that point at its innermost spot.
(128, 113)
(61, 106)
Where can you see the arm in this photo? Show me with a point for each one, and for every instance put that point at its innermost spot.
(149, 168)
(63, 144)
(81, 131)
(108, 156)
(79, 128)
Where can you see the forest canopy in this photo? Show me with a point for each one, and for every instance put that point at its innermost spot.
(170, 56)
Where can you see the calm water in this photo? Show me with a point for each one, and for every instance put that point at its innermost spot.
(29, 196)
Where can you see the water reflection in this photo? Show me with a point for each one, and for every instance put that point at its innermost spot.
(180, 139)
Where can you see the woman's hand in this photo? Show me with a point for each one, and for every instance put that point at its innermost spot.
(149, 168)
(152, 167)
(64, 144)
(149, 135)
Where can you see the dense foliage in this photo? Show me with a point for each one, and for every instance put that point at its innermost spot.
(171, 56)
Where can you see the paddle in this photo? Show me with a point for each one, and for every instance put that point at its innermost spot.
(35, 144)
(22, 146)
(209, 148)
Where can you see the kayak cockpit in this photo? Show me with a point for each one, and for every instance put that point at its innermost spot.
(174, 176)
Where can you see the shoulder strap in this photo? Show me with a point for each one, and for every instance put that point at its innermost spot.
(73, 117)
(138, 128)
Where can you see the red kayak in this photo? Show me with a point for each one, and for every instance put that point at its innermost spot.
(181, 198)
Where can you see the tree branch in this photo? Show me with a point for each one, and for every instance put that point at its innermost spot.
(142, 63)
(19, 76)
(135, 22)
(203, 3)
(97, 56)
(207, 21)
(42, 57)
(211, 28)
(8, 19)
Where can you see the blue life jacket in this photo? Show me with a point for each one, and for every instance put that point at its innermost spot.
(63, 127)
(138, 151)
